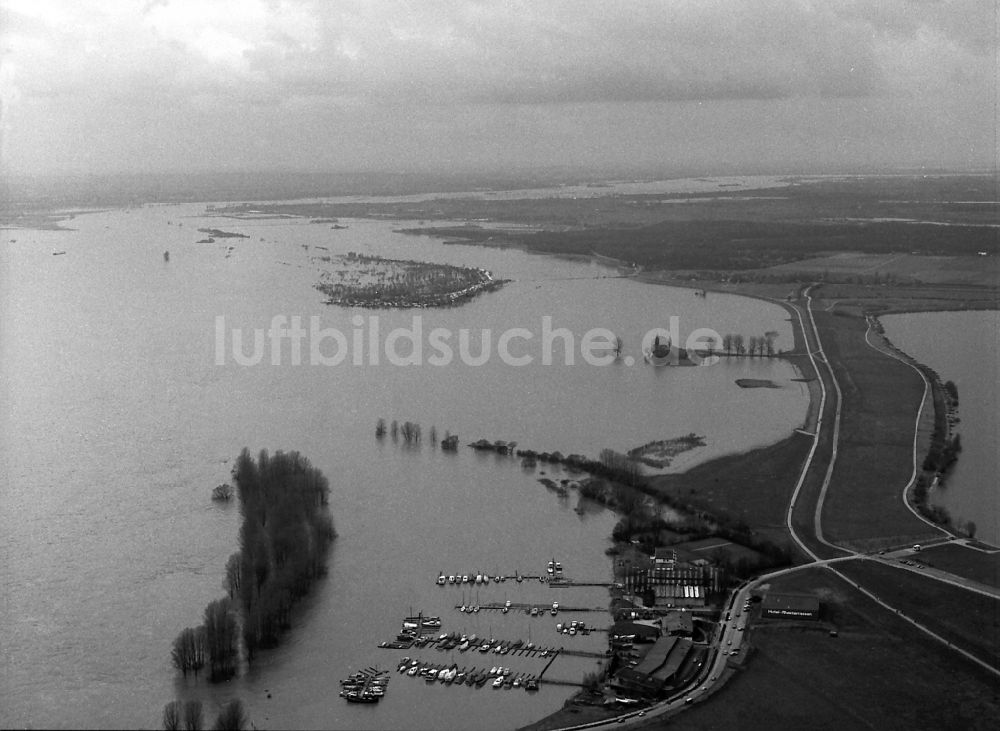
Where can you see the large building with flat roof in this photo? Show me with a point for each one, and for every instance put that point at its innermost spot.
(789, 606)
(657, 670)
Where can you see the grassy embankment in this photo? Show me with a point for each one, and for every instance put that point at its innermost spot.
(980, 566)
(864, 508)
(967, 619)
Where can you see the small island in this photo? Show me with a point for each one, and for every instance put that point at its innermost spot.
(660, 454)
(375, 282)
(756, 383)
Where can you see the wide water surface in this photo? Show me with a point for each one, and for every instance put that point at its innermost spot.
(118, 421)
(964, 347)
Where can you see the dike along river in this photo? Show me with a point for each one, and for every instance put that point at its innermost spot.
(963, 347)
(119, 420)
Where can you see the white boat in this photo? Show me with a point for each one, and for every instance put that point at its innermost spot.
(441, 579)
(498, 683)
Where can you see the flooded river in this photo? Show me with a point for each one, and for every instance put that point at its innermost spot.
(120, 416)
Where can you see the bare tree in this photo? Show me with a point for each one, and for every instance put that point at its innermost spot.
(172, 716)
(232, 580)
(188, 652)
(769, 338)
(193, 716)
(232, 717)
(221, 638)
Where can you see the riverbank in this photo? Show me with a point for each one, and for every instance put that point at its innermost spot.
(879, 449)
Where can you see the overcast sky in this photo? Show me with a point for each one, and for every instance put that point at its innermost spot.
(343, 85)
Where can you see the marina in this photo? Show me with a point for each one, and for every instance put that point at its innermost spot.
(365, 686)
(163, 308)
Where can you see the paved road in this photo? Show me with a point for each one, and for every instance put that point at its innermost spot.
(730, 637)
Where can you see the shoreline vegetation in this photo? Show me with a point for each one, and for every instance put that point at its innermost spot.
(618, 481)
(945, 444)
(376, 282)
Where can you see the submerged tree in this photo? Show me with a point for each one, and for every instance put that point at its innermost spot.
(189, 650)
(172, 716)
(193, 717)
(410, 432)
(232, 717)
(233, 575)
(221, 639)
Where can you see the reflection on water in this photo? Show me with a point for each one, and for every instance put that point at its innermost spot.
(118, 423)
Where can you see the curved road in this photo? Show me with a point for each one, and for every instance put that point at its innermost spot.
(731, 636)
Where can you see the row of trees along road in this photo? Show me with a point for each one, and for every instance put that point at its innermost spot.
(284, 539)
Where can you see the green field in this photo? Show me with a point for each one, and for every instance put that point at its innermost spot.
(880, 673)
(875, 458)
(968, 619)
(754, 487)
(965, 562)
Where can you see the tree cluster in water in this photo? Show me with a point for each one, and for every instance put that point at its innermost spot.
(398, 282)
(189, 716)
(759, 345)
(410, 432)
(286, 532)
